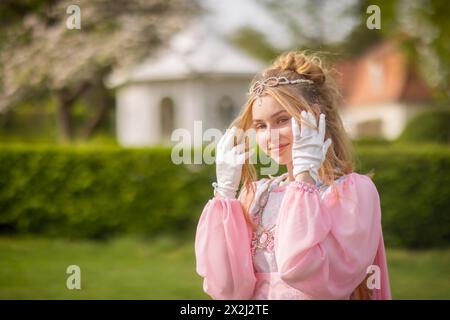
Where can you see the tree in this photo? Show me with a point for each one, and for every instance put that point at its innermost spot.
(320, 26)
(38, 52)
(254, 43)
(422, 28)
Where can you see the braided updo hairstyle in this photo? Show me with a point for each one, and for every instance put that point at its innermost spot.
(299, 65)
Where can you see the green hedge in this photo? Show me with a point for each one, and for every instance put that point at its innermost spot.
(428, 127)
(97, 193)
(414, 186)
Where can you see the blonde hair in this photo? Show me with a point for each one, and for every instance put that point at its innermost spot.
(322, 96)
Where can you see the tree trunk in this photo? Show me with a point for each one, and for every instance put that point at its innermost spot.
(64, 116)
(66, 98)
(101, 99)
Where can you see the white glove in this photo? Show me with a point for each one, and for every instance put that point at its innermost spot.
(309, 149)
(229, 161)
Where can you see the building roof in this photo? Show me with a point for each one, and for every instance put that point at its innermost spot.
(198, 50)
(381, 75)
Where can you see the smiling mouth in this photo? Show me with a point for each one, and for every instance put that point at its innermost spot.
(281, 147)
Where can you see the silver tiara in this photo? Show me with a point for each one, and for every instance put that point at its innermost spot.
(259, 86)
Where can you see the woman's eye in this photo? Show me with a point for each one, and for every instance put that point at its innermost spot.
(283, 120)
(260, 126)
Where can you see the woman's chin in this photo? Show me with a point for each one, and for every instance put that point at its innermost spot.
(283, 156)
(281, 160)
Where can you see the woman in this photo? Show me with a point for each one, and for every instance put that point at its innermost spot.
(311, 233)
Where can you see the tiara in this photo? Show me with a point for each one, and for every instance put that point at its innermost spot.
(259, 86)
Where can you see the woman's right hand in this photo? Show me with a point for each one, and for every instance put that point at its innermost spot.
(229, 161)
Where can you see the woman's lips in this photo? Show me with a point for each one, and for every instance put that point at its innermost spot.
(279, 148)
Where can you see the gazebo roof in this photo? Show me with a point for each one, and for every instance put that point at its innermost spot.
(198, 50)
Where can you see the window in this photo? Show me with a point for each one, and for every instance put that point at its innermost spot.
(167, 116)
(369, 128)
(226, 111)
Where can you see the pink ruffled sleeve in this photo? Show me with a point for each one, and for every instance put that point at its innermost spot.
(222, 250)
(324, 246)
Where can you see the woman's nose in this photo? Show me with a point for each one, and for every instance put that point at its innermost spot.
(268, 135)
(272, 136)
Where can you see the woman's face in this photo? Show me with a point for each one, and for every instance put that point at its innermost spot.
(273, 129)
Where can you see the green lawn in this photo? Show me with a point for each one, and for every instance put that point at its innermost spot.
(131, 268)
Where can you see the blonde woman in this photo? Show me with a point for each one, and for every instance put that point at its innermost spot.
(311, 233)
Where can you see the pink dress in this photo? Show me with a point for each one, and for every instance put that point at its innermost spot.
(315, 244)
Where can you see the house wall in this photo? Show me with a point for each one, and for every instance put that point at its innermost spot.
(138, 108)
(134, 121)
(393, 118)
(217, 89)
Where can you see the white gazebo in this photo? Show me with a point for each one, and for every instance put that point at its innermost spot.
(198, 76)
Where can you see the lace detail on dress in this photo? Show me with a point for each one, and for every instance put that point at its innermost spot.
(269, 285)
(264, 212)
(263, 237)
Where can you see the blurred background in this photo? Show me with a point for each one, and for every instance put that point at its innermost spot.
(91, 91)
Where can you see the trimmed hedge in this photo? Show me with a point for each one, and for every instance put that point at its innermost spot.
(414, 186)
(98, 193)
(428, 127)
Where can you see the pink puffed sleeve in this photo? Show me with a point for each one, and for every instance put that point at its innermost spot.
(222, 250)
(324, 246)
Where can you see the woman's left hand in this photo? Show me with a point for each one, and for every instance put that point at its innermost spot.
(309, 149)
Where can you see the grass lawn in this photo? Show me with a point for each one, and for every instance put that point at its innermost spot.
(163, 268)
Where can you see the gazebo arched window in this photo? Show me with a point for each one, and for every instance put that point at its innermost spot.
(226, 111)
(167, 117)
